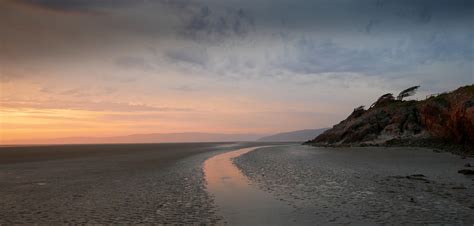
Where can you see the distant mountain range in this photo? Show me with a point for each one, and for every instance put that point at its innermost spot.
(298, 135)
(145, 138)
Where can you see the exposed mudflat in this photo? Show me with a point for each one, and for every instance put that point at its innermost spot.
(364, 185)
(141, 183)
(166, 183)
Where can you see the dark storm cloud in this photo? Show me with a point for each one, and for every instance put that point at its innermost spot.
(393, 14)
(266, 37)
(345, 15)
(313, 56)
(425, 8)
(79, 5)
(204, 18)
(205, 23)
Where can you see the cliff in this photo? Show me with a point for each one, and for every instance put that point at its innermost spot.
(444, 121)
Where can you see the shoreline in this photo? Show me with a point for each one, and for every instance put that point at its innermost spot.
(435, 145)
(144, 183)
(364, 185)
(166, 184)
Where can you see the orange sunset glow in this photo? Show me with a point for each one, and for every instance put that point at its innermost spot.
(101, 70)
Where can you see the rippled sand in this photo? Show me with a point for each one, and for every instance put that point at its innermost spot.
(166, 183)
(141, 183)
(364, 185)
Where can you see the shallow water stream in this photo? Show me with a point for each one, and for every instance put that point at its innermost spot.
(238, 200)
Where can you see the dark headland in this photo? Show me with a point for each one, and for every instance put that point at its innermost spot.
(443, 121)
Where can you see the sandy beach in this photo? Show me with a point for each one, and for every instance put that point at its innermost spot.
(136, 183)
(232, 183)
(364, 185)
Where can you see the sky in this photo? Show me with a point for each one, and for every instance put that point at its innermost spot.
(118, 67)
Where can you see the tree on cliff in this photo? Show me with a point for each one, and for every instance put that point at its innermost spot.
(386, 98)
(408, 92)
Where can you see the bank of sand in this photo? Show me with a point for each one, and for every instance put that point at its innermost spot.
(164, 183)
(364, 185)
(135, 183)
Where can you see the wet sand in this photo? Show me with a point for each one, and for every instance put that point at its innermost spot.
(286, 184)
(136, 183)
(364, 185)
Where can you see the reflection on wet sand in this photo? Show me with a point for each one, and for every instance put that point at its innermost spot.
(237, 199)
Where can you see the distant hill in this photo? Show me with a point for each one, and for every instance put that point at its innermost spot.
(144, 138)
(444, 121)
(298, 135)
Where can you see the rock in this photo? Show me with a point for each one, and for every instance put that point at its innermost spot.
(443, 122)
(419, 177)
(467, 165)
(466, 172)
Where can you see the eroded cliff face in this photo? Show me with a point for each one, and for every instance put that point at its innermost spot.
(450, 116)
(447, 118)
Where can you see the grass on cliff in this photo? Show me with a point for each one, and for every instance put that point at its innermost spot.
(441, 99)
